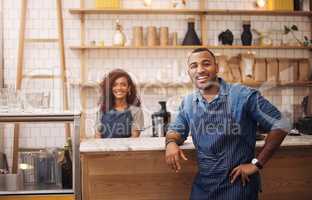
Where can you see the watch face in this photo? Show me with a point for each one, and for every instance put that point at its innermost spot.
(254, 161)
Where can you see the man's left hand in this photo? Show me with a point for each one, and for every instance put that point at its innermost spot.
(243, 170)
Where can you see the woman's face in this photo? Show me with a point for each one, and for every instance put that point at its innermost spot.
(121, 88)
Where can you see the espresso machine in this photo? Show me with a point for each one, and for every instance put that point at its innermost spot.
(161, 120)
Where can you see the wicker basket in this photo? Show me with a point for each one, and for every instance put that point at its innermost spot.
(107, 4)
(283, 5)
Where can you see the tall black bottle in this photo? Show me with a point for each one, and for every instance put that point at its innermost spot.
(67, 166)
(191, 37)
(246, 35)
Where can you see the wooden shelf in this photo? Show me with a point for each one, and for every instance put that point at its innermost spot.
(86, 47)
(94, 85)
(259, 12)
(188, 12)
(138, 11)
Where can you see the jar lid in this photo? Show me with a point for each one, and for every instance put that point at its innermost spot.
(246, 22)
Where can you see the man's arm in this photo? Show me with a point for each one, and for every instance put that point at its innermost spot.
(173, 151)
(176, 135)
(272, 143)
(269, 118)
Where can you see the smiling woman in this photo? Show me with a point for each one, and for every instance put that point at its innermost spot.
(120, 114)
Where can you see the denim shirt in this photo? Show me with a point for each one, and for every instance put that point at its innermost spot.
(246, 106)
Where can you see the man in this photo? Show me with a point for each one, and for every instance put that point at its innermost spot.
(223, 119)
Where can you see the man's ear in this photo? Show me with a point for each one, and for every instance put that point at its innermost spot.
(188, 72)
(217, 68)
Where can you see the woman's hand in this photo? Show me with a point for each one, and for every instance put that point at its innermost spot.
(173, 155)
(98, 135)
(243, 170)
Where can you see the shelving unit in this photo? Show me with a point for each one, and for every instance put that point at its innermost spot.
(83, 47)
(95, 85)
(86, 47)
(188, 12)
(34, 191)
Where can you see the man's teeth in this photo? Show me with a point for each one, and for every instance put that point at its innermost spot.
(202, 77)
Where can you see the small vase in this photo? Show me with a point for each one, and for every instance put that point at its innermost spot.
(119, 37)
(226, 37)
(246, 36)
(191, 37)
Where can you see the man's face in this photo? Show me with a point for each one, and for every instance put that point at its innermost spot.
(202, 69)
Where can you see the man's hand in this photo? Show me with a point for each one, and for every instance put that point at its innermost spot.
(173, 155)
(243, 171)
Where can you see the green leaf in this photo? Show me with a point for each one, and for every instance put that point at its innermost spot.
(294, 28)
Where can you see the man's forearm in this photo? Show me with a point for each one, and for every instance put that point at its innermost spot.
(272, 143)
(174, 137)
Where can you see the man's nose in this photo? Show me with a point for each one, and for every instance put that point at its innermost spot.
(200, 69)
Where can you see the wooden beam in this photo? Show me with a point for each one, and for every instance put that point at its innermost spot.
(41, 40)
(203, 29)
(83, 73)
(62, 60)
(19, 77)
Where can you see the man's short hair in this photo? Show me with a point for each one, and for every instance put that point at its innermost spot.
(201, 49)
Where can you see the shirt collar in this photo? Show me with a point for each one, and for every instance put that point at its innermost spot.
(223, 90)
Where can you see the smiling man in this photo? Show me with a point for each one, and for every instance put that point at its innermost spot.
(223, 119)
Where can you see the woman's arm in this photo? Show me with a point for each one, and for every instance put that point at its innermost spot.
(138, 123)
(98, 124)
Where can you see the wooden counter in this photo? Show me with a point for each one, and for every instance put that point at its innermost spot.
(136, 169)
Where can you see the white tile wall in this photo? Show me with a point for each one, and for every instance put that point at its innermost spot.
(143, 65)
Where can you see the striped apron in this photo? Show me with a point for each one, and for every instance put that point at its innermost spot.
(220, 147)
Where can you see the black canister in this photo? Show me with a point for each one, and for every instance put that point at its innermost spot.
(246, 35)
(161, 120)
(191, 37)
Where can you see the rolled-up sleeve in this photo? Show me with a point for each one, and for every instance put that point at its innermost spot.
(266, 114)
(138, 120)
(180, 125)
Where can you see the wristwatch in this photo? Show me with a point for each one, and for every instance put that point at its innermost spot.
(256, 162)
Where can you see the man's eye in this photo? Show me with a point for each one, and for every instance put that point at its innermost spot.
(206, 63)
(193, 66)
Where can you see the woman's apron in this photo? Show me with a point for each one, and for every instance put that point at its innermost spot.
(219, 150)
(117, 124)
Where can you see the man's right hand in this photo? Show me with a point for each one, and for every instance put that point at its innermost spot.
(173, 155)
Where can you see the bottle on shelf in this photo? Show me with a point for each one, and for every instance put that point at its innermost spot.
(67, 166)
(191, 37)
(246, 35)
(119, 37)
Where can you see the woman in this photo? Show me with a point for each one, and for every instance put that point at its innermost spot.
(120, 114)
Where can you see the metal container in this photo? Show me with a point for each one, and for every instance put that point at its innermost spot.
(11, 182)
(40, 167)
(158, 126)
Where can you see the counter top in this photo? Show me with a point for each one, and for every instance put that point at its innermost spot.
(150, 143)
